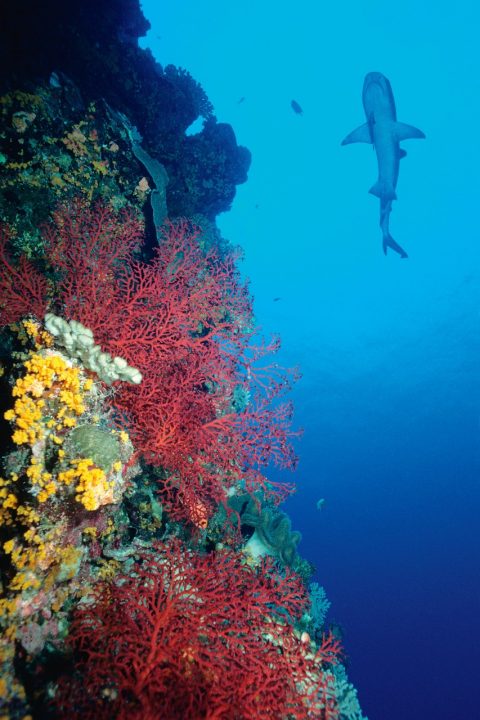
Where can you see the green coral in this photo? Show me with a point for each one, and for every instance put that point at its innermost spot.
(273, 534)
(91, 441)
(348, 705)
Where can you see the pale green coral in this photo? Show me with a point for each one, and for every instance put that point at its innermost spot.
(346, 694)
(91, 441)
(319, 605)
(79, 343)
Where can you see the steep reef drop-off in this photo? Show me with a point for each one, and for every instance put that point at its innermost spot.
(146, 570)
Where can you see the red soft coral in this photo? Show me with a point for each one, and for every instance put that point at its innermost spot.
(189, 636)
(184, 320)
(166, 308)
(23, 289)
(203, 410)
(87, 247)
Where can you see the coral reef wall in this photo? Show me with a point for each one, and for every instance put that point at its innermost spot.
(145, 567)
(95, 44)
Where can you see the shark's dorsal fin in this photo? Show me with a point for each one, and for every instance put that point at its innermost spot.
(405, 132)
(402, 153)
(361, 134)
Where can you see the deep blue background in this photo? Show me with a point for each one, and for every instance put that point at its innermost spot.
(390, 398)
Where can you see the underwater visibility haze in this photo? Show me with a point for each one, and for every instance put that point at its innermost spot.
(179, 183)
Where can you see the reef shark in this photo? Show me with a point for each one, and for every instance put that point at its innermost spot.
(385, 133)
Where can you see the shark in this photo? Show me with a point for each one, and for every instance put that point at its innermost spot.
(385, 133)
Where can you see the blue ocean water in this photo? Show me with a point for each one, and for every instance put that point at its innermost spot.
(389, 348)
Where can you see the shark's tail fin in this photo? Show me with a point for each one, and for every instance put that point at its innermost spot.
(383, 190)
(389, 242)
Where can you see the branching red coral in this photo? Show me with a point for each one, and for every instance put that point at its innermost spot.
(185, 321)
(190, 636)
(87, 248)
(23, 289)
(171, 304)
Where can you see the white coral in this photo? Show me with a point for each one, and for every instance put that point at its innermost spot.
(79, 343)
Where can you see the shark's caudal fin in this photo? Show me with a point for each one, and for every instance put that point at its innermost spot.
(361, 134)
(383, 190)
(405, 132)
(389, 242)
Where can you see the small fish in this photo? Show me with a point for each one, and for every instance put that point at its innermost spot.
(54, 80)
(276, 299)
(385, 133)
(242, 99)
(321, 503)
(296, 107)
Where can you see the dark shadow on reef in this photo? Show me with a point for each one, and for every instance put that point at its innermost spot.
(95, 44)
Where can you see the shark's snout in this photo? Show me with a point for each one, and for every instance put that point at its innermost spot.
(373, 77)
(375, 81)
(377, 95)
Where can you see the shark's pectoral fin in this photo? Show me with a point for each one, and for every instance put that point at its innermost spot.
(402, 153)
(361, 134)
(404, 132)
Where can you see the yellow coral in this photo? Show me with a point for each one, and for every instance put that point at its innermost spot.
(91, 531)
(92, 488)
(69, 558)
(10, 501)
(8, 546)
(49, 379)
(75, 141)
(40, 337)
(47, 401)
